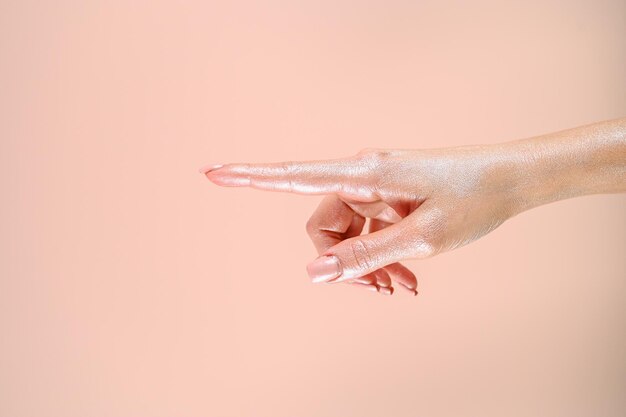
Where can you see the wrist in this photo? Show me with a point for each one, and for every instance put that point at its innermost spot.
(565, 164)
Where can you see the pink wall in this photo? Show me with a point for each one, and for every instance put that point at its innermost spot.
(132, 286)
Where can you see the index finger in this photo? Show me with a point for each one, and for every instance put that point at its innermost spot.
(347, 176)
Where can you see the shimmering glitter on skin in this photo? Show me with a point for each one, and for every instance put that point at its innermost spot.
(422, 202)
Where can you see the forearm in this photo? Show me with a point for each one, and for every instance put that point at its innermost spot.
(585, 160)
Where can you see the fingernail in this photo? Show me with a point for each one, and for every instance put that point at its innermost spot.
(324, 269)
(208, 168)
(371, 287)
(409, 289)
(386, 290)
(367, 279)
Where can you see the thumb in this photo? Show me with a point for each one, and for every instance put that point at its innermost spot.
(361, 255)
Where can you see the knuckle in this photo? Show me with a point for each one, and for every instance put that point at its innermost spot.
(378, 163)
(428, 235)
(287, 170)
(381, 154)
(311, 227)
(426, 248)
(422, 247)
(375, 154)
(366, 151)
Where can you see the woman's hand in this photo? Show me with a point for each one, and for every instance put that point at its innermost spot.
(424, 202)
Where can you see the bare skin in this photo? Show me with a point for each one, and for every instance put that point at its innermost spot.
(422, 202)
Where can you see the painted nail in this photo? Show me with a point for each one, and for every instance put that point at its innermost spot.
(208, 168)
(370, 287)
(367, 279)
(324, 269)
(386, 290)
(384, 284)
(409, 289)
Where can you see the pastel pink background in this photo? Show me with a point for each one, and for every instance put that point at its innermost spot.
(132, 286)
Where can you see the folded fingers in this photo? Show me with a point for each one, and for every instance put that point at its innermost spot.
(334, 221)
(398, 272)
